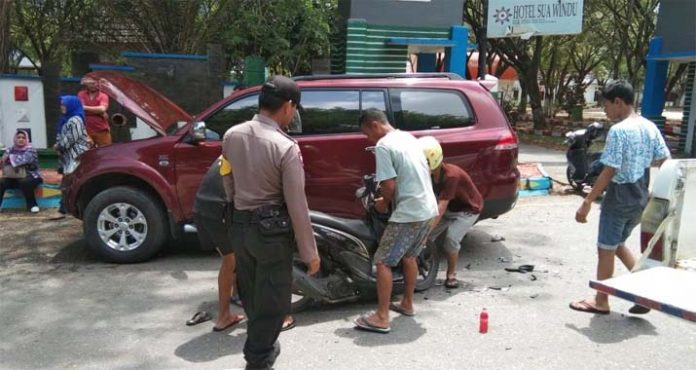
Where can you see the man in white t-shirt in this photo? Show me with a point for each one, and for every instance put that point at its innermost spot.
(404, 176)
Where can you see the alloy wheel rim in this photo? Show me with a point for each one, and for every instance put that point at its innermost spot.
(122, 227)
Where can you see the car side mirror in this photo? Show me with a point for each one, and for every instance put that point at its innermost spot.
(198, 131)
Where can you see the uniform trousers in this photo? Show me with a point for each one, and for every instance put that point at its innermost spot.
(264, 278)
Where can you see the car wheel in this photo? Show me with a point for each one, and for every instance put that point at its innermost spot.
(125, 225)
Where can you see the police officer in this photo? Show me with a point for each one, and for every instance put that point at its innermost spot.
(270, 214)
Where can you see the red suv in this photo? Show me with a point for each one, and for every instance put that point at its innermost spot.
(133, 196)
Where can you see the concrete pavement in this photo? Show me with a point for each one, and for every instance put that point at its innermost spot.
(60, 307)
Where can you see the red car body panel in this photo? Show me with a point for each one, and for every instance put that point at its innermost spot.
(152, 107)
(334, 164)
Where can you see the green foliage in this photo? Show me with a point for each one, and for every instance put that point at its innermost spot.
(286, 33)
(43, 30)
(164, 26)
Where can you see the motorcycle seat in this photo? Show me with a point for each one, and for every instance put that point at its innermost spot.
(355, 227)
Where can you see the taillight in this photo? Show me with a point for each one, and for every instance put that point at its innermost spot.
(507, 141)
(653, 215)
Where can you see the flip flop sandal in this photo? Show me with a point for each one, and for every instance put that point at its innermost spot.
(199, 317)
(289, 326)
(396, 307)
(236, 301)
(523, 269)
(361, 323)
(234, 322)
(451, 283)
(583, 306)
(638, 310)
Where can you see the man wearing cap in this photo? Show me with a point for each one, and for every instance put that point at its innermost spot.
(270, 215)
(95, 104)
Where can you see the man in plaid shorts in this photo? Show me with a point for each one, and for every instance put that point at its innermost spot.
(406, 186)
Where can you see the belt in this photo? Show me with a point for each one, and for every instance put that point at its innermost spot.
(254, 216)
(244, 217)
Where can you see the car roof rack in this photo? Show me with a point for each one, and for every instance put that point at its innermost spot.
(448, 75)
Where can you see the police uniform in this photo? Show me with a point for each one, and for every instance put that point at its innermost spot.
(270, 214)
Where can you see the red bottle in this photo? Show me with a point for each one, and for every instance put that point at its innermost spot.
(483, 322)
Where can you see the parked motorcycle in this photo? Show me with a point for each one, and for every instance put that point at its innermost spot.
(346, 248)
(583, 166)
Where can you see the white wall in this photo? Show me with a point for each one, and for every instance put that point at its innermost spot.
(142, 130)
(227, 90)
(22, 114)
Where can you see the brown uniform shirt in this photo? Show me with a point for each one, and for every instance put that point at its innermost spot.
(267, 169)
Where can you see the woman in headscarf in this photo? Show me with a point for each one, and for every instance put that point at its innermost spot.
(20, 165)
(71, 139)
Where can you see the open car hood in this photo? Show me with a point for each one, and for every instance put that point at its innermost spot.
(150, 106)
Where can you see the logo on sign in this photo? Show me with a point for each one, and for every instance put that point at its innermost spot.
(503, 15)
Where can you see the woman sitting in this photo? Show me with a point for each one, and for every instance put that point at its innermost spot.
(20, 170)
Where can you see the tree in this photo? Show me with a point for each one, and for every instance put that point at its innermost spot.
(630, 24)
(163, 26)
(42, 31)
(5, 47)
(555, 65)
(523, 55)
(288, 34)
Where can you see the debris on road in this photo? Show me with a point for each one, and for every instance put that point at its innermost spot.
(500, 288)
(523, 269)
(497, 238)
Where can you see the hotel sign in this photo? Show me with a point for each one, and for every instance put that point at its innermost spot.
(527, 18)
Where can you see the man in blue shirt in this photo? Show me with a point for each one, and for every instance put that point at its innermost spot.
(632, 146)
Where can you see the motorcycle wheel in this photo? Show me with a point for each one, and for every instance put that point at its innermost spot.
(428, 267)
(298, 300)
(577, 186)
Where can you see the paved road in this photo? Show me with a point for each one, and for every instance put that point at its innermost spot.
(62, 308)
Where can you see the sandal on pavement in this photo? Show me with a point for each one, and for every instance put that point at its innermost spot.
(584, 306)
(361, 323)
(638, 310)
(396, 307)
(236, 301)
(451, 283)
(521, 269)
(232, 323)
(199, 317)
(57, 216)
(288, 324)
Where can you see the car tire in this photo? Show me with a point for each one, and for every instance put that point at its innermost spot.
(125, 225)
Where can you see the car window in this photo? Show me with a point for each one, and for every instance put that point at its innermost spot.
(237, 112)
(330, 111)
(373, 99)
(429, 109)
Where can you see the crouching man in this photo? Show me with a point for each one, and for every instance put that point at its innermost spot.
(459, 204)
